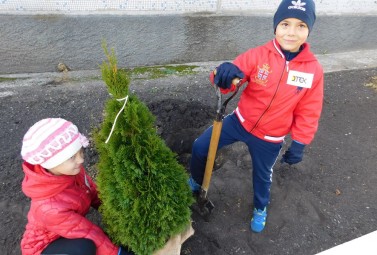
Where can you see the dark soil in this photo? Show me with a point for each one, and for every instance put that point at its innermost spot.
(327, 199)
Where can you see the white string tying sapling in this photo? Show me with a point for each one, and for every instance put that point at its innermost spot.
(112, 128)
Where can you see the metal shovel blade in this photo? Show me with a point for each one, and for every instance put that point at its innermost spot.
(203, 205)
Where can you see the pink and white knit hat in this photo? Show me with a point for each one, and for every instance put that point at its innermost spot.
(50, 142)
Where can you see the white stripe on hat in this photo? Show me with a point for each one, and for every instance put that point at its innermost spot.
(63, 155)
(41, 132)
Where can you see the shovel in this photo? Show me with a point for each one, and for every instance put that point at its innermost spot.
(205, 206)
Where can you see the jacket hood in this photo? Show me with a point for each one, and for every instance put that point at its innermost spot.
(305, 55)
(40, 184)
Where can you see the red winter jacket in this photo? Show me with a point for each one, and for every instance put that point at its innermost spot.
(58, 208)
(282, 96)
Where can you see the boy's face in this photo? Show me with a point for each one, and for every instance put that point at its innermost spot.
(291, 34)
(71, 166)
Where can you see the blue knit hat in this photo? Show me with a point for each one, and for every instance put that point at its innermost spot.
(300, 9)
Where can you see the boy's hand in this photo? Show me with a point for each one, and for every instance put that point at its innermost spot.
(225, 73)
(294, 153)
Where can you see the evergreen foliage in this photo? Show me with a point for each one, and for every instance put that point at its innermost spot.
(144, 191)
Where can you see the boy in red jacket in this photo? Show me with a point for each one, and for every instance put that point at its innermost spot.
(61, 193)
(284, 95)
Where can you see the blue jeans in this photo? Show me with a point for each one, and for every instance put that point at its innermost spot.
(263, 155)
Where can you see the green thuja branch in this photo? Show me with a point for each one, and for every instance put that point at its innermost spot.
(143, 188)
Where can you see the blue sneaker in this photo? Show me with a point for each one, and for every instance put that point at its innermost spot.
(259, 220)
(195, 187)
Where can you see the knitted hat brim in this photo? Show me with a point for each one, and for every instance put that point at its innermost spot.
(63, 155)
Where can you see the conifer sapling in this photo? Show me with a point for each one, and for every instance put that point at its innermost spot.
(144, 191)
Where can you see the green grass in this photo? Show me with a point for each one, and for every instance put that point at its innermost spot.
(143, 72)
(2, 79)
(155, 72)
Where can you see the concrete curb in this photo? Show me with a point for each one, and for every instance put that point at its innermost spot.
(331, 63)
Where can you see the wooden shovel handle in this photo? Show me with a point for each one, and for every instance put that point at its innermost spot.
(215, 136)
(216, 130)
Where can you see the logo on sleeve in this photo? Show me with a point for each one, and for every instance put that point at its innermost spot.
(300, 79)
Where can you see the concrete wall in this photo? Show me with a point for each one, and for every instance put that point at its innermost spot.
(36, 40)
(138, 7)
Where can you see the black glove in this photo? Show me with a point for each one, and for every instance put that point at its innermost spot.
(294, 153)
(124, 251)
(225, 73)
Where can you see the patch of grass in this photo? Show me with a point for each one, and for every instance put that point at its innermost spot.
(89, 78)
(372, 83)
(143, 72)
(7, 79)
(155, 72)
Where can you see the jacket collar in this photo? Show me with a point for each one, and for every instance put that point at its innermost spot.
(40, 184)
(304, 56)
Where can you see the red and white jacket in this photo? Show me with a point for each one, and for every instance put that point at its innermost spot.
(281, 96)
(58, 208)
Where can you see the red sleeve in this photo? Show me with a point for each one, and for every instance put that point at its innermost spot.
(63, 221)
(247, 62)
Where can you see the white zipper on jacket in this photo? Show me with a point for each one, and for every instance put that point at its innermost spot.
(277, 88)
(277, 48)
(282, 55)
